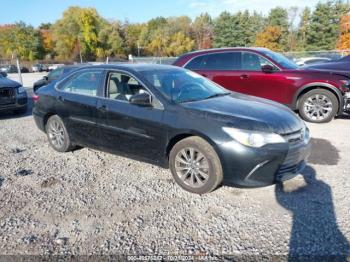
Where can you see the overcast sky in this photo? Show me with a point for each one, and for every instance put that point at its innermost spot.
(42, 11)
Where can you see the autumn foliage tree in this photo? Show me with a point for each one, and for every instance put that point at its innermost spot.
(344, 38)
(270, 38)
(82, 34)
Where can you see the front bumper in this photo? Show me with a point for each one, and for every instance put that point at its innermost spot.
(20, 102)
(347, 102)
(256, 167)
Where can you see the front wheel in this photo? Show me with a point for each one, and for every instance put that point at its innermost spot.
(57, 135)
(318, 106)
(195, 165)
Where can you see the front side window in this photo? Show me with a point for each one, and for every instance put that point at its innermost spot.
(280, 59)
(181, 86)
(121, 86)
(84, 83)
(254, 62)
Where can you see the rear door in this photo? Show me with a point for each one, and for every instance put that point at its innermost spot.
(76, 105)
(223, 68)
(130, 129)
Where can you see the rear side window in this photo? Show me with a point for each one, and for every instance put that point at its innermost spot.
(84, 83)
(218, 61)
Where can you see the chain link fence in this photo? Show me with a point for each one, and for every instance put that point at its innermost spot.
(330, 54)
(153, 60)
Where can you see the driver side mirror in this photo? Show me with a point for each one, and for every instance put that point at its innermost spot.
(268, 69)
(142, 99)
(46, 78)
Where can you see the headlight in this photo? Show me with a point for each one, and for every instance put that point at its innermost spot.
(346, 82)
(253, 138)
(306, 135)
(21, 90)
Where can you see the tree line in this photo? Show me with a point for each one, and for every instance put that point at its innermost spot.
(81, 33)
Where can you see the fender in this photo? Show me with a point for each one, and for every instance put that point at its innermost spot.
(315, 85)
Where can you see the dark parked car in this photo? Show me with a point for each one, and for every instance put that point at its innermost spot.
(39, 68)
(54, 75)
(10, 69)
(174, 118)
(341, 66)
(13, 97)
(317, 95)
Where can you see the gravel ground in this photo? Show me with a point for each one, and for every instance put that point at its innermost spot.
(88, 202)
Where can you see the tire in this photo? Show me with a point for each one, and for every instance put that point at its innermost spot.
(318, 106)
(57, 135)
(205, 155)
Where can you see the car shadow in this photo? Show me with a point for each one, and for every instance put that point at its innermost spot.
(344, 116)
(315, 234)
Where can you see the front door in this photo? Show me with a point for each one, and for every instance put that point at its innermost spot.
(127, 128)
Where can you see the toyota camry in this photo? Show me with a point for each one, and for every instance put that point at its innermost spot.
(176, 119)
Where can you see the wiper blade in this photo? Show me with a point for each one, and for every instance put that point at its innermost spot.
(217, 95)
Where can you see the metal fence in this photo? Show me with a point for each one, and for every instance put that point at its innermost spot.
(331, 54)
(153, 60)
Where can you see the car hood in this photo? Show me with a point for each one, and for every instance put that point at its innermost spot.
(248, 112)
(5, 82)
(341, 68)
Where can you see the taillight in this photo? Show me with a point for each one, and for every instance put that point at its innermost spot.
(35, 98)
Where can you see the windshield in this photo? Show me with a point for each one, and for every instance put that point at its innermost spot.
(181, 86)
(280, 59)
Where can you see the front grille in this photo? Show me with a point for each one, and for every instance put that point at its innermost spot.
(294, 137)
(7, 96)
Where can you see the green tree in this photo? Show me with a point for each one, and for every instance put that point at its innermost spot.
(110, 41)
(303, 29)
(76, 33)
(224, 31)
(203, 31)
(132, 37)
(178, 44)
(239, 29)
(324, 25)
(278, 17)
(20, 40)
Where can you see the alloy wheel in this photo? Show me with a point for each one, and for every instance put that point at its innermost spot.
(56, 134)
(192, 167)
(318, 107)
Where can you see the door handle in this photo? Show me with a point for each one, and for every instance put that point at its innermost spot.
(102, 108)
(244, 76)
(204, 75)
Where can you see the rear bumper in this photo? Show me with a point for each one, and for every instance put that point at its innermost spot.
(258, 167)
(39, 119)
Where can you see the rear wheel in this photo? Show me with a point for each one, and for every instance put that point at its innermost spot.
(195, 165)
(58, 135)
(318, 106)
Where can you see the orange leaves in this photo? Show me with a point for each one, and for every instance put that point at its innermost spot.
(270, 38)
(344, 37)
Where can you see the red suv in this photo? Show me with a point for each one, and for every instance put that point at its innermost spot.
(317, 95)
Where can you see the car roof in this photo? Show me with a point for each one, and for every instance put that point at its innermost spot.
(228, 49)
(133, 67)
